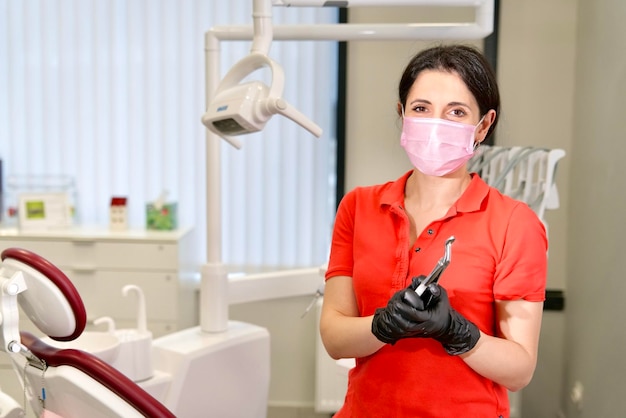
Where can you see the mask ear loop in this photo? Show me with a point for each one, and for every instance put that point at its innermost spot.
(476, 143)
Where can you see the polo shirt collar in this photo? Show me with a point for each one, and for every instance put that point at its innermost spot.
(470, 201)
(394, 194)
(473, 197)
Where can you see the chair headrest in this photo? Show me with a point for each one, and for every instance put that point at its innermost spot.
(51, 301)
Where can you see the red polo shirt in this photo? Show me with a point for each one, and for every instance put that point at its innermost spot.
(499, 254)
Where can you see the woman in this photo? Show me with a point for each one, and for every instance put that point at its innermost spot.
(478, 337)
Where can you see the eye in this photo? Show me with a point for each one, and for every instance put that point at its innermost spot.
(419, 109)
(458, 112)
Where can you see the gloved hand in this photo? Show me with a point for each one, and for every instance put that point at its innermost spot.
(400, 318)
(407, 316)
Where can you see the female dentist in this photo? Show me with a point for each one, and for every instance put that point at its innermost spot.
(456, 355)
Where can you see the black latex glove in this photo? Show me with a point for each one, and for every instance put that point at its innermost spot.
(399, 319)
(408, 316)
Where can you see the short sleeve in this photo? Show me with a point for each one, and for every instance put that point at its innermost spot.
(341, 260)
(522, 270)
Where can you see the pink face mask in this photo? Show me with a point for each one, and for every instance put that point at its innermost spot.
(437, 147)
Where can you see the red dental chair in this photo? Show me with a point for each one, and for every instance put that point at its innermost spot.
(66, 382)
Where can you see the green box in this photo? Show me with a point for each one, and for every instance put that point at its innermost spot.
(164, 218)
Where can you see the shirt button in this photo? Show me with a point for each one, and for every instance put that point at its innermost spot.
(418, 249)
(430, 232)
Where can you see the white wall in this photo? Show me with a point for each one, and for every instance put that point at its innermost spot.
(595, 336)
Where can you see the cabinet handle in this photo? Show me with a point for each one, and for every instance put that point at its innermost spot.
(83, 242)
(83, 269)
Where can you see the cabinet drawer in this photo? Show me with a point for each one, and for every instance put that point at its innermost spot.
(87, 254)
(58, 253)
(124, 255)
(102, 294)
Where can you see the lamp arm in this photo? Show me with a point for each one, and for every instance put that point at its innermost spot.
(262, 24)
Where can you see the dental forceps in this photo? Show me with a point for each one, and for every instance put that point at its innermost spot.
(434, 275)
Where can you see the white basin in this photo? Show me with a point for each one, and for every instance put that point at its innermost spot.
(103, 345)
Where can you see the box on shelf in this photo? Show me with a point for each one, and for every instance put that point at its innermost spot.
(162, 217)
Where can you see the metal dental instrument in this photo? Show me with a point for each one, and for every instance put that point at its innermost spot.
(434, 275)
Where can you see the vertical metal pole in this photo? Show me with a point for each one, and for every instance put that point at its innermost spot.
(214, 277)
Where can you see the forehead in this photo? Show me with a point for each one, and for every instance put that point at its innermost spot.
(438, 86)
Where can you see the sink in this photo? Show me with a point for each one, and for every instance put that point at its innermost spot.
(103, 345)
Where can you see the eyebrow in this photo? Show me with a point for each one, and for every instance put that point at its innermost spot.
(458, 104)
(449, 104)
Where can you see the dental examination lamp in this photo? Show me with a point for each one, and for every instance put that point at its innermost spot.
(238, 108)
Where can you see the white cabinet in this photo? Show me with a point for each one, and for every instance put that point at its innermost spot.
(100, 262)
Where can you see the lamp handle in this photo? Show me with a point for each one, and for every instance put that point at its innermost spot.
(276, 105)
